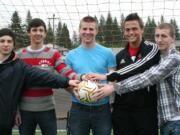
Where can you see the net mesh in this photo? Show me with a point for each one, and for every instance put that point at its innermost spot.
(69, 12)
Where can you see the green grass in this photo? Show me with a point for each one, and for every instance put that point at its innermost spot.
(39, 133)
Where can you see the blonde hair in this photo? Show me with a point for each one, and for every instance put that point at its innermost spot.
(168, 26)
(89, 19)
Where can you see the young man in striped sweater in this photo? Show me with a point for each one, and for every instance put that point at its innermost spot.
(37, 106)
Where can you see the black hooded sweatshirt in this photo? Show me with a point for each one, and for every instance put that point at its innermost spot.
(15, 76)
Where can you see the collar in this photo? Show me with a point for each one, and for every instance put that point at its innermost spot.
(170, 51)
(141, 44)
(12, 57)
(34, 51)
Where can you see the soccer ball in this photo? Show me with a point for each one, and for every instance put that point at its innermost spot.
(85, 91)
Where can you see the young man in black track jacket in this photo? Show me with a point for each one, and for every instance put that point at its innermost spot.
(134, 113)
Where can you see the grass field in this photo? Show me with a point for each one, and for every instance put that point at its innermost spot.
(39, 133)
(59, 133)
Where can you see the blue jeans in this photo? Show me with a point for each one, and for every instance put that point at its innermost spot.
(83, 118)
(45, 119)
(170, 128)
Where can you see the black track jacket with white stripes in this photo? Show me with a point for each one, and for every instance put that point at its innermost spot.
(147, 56)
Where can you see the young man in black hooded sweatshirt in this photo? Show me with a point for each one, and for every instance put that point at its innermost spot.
(15, 76)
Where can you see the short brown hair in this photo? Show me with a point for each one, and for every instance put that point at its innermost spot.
(168, 26)
(8, 32)
(88, 19)
(36, 22)
(132, 17)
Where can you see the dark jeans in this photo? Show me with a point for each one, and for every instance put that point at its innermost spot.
(5, 131)
(45, 119)
(83, 118)
(135, 123)
(170, 128)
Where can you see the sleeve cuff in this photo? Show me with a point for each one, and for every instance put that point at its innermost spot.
(116, 88)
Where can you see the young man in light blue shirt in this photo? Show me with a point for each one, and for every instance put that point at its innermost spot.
(90, 57)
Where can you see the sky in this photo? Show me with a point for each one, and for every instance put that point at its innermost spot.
(71, 11)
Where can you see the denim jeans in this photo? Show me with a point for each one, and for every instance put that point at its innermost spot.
(45, 119)
(83, 118)
(170, 128)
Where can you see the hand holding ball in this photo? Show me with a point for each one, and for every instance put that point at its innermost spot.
(85, 91)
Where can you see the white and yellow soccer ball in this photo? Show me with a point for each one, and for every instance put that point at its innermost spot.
(85, 91)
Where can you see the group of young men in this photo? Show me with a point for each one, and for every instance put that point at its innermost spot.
(144, 76)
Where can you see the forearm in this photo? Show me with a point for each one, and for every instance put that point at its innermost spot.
(42, 78)
(142, 64)
(63, 69)
(138, 67)
(132, 84)
(152, 76)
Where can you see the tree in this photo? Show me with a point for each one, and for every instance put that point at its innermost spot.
(65, 37)
(28, 17)
(59, 35)
(25, 26)
(50, 35)
(149, 29)
(173, 22)
(101, 28)
(116, 32)
(122, 40)
(108, 30)
(75, 39)
(18, 30)
(162, 19)
(96, 18)
(122, 20)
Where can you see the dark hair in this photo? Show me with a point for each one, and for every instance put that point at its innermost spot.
(36, 22)
(88, 19)
(132, 17)
(168, 26)
(7, 32)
